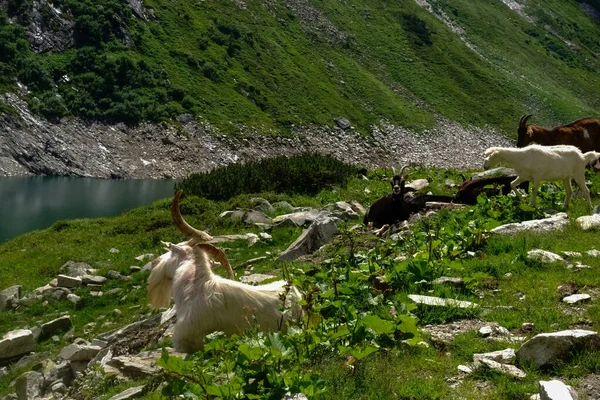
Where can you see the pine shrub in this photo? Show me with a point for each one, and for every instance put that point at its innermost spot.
(302, 174)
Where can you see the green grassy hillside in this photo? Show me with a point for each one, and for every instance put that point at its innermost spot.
(361, 332)
(263, 64)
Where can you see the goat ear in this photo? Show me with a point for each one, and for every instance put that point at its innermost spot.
(177, 249)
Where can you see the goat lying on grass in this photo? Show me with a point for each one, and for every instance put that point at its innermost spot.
(206, 302)
(544, 163)
(390, 208)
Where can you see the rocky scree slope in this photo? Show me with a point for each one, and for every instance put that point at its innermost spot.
(31, 145)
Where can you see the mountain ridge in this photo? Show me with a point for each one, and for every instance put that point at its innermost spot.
(277, 67)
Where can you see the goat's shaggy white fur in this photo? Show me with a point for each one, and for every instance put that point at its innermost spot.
(544, 163)
(206, 302)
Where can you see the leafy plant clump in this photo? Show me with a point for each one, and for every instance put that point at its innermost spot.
(303, 174)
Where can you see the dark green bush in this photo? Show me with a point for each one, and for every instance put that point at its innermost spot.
(303, 174)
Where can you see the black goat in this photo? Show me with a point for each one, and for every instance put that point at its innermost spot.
(397, 207)
(390, 208)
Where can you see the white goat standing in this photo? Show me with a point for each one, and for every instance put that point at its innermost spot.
(206, 302)
(544, 163)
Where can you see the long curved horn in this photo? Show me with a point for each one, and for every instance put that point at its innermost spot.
(218, 255)
(183, 226)
(524, 119)
(403, 168)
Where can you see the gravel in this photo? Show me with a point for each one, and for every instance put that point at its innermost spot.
(30, 145)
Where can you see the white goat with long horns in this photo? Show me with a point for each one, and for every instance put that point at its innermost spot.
(206, 302)
(544, 163)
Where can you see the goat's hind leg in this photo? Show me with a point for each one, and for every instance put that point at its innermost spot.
(580, 180)
(513, 184)
(568, 192)
(534, 190)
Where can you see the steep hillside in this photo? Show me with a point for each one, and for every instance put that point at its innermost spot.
(277, 64)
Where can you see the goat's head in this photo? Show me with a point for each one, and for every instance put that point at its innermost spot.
(492, 158)
(523, 133)
(398, 181)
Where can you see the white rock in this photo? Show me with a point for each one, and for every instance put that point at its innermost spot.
(588, 222)
(485, 331)
(143, 257)
(255, 278)
(67, 281)
(505, 368)
(438, 301)
(29, 385)
(571, 254)
(544, 256)
(418, 184)
(556, 390)
(16, 343)
(593, 253)
(553, 223)
(130, 393)
(548, 348)
(76, 352)
(506, 356)
(465, 369)
(576, 298)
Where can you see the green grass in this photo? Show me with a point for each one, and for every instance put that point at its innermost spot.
(396, 370)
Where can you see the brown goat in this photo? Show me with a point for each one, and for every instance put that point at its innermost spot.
(583, 133)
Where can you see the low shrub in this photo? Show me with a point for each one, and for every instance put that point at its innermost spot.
(302, 174)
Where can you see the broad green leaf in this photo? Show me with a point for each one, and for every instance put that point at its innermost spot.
(380, 326)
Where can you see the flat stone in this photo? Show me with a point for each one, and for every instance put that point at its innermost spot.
(588, 222)
(61, 324)
(577, 298)
(593, 253)
(93, 279)
(553, 223)
(144, 257)
(417, 184)
(486, 331)
(506, 356)
(448, 280)
(342, 123)
(76, 352)
(556, 390)
(578, 266)
(547, 349)
(134, 366)
(544, 256)
(130, 393)
(10, 297)
(465, 369)
(76, 268)
(16, 343)
(73, 298)
(438, 301)
(255, 278)
(505, 368)
(320, 232)
(29, 385)
(67, 281)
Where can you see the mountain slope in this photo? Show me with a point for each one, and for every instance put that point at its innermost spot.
(276, 64)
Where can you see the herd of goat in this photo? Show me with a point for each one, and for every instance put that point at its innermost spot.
(206, 302)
